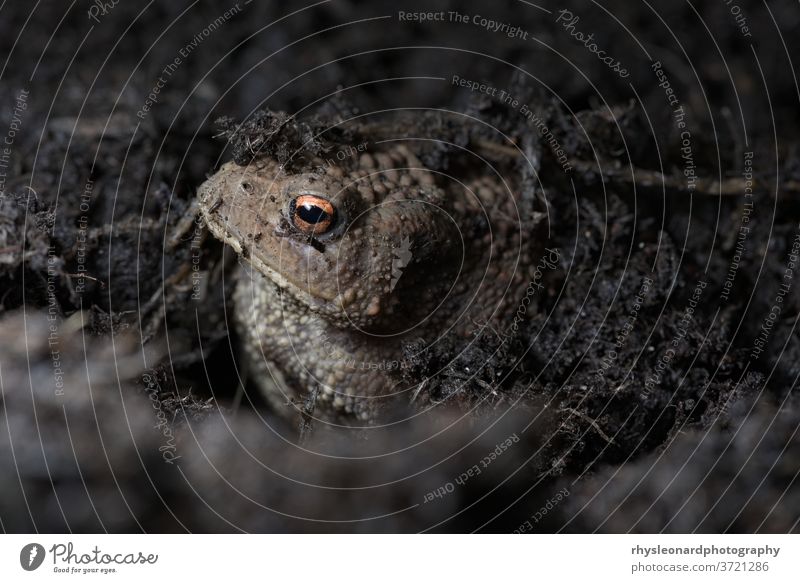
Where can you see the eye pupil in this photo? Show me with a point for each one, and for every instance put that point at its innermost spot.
(312, 214)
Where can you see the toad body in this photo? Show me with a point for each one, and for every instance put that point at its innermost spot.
(350, 257)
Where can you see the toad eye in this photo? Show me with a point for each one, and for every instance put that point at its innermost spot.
(312, 214)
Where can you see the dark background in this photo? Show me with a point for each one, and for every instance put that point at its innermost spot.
(713, 448)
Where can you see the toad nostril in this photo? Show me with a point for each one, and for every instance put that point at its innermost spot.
(246, 187)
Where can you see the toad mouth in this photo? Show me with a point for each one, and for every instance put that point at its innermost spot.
(264, 264)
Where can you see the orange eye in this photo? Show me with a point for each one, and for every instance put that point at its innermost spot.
(311, 214)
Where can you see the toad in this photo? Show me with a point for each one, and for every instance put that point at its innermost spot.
(351, 254)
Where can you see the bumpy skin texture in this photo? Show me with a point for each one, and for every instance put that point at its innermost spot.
(411, 254)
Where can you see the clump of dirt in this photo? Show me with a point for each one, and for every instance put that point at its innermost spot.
(732, 477)
(277, 135)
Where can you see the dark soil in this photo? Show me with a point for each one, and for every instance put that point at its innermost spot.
(654, 388)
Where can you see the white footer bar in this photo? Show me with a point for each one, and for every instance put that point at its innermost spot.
(400, 558)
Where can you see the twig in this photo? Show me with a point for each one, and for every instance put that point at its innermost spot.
(651, 178)
(307, 415)
(591, 422)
